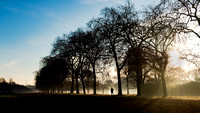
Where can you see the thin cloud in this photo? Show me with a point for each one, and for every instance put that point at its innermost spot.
(25, 12)
(11, 63)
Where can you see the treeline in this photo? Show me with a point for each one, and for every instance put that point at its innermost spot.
(137, 43)
(11, 87)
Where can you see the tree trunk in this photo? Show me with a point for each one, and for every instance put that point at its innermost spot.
(164, 84)
(87, 86)
(118, 73)
(119, 82)
(72, 85)
(155, 75)
(139, 79)
(127, 85)
(94, 74)
(77, 86)
(83, 84)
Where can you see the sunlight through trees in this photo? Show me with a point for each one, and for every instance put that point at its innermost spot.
(136, 43)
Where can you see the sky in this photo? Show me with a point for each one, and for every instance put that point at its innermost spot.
(28, 29)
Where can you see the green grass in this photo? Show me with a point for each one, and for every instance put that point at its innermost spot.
(99, 103)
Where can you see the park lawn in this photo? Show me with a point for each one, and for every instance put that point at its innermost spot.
(71, 103)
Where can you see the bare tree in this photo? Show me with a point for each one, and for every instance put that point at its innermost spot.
(68, 47)
(93, 47)
(191, 57)
(162, 27)
(117, 48)
(189, 11)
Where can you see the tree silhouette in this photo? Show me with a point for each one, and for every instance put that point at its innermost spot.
(163, 28)
(52, 74)
(112, 30)
(121, 36)
(86, 79)
(70, 48)
(189, 11)
(134, 35)
(92, 47)
(189, 8)
(111, 34)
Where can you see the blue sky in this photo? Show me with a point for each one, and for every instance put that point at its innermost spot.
(29, 27)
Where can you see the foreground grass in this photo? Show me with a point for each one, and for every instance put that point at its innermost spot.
(98, 103)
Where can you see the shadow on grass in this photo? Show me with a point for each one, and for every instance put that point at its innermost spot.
(99, 103)
(145, 106)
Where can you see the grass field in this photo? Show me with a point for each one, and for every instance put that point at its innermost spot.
(98, 103)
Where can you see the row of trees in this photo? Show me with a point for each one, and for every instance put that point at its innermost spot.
(132, 41)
